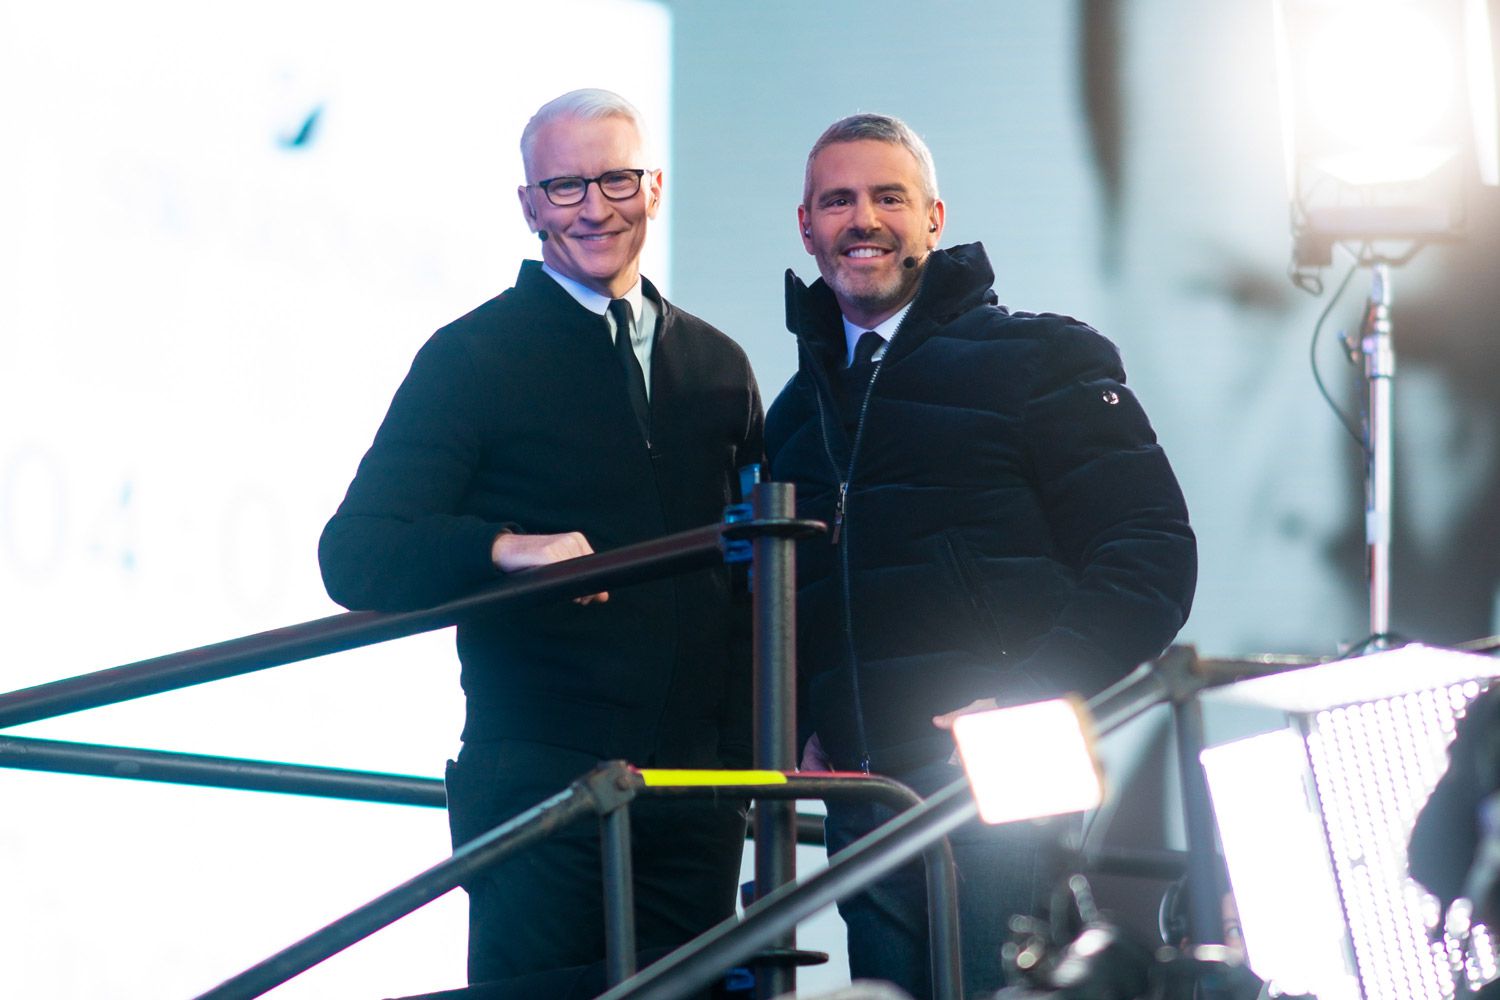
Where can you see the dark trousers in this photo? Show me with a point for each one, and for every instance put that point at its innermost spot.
(543, 909)
(1002, 870)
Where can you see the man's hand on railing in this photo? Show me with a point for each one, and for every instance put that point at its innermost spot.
(945, 721)
(512, 551)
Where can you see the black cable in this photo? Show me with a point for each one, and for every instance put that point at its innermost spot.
(1343, 418)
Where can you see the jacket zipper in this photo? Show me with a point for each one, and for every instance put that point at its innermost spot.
(835, 537)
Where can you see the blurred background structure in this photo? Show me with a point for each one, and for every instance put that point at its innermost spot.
(225, 230)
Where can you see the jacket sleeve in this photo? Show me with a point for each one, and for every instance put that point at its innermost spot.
(1117, 517)
(398, 541)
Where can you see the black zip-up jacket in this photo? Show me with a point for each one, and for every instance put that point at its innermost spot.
(1008, 527)
(518, 415)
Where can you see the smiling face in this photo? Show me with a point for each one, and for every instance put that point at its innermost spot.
(596, 242)
(865, 215)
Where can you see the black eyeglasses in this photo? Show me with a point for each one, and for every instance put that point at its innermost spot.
(616, 185)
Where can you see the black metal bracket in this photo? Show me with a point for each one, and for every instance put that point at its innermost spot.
(741, 528)
(612, 785)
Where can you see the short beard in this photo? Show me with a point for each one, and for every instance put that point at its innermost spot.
(878, 298)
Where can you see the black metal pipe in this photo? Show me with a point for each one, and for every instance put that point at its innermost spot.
(943, 931)
(868, 859)
(619, 896)
(620, 567)
(25, 753)
(945, 961)
(29, 754)
(567, 806)
(698, 962)
(1205, 911)
(774, 594)
(695, 964)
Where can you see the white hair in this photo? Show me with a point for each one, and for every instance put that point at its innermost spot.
(588, 104)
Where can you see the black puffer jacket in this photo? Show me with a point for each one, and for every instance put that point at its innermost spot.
(1010, 527)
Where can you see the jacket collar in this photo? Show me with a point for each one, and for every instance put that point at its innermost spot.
(954, 281)
(535, 281)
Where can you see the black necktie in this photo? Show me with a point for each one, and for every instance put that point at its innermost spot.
(635, 379)
(854, 380)
(864, 349)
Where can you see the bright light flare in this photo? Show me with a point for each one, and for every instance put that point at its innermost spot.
(1480, 58)
(1030, 761)
(1380, 84)
(1383, 72)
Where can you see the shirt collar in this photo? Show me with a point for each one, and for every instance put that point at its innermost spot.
(886, 330)
(593, 301)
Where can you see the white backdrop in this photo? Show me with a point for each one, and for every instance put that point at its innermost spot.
(224, 232)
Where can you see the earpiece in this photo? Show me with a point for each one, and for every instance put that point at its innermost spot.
(541, 234)
(932, 228)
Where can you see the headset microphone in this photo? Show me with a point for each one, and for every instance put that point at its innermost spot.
(909, 263)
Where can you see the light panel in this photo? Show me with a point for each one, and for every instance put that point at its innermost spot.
(1273, 843)
(1375, 764)
(1030, 761)
(1328, 805)
(1380, 85)
(1387, 111)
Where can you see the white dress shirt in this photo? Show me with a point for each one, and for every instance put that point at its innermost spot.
(642, 338)
(852, 333)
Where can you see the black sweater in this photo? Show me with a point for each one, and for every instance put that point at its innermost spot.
(517, 415)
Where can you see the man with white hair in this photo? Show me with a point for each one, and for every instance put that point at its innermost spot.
(1004, 526)
(577, 411)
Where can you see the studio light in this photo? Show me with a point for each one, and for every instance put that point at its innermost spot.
(1030, 761)
(1314, 819)
(1388, 110)
(1388, 114)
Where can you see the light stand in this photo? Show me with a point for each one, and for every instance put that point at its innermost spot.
(1388, 113)
(1378, 348)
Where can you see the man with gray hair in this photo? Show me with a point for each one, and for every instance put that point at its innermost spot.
(1004, 527)
(577, 411)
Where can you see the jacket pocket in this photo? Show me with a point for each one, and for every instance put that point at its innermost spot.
(967, 575)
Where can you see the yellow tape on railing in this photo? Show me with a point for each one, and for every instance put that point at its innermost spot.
(674, 778)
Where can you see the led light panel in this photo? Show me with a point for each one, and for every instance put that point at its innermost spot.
(1030, 761)
(1331, 802)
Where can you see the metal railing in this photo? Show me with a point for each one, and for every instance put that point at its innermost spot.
(665, 556)
(607, 791)
(770, 531)
(919, 830)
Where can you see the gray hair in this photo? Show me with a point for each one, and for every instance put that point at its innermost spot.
(880, 128)
(589, 104)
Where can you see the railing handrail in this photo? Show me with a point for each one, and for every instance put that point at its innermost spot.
(231, 773)
(580, 798)
(911, 832)
(588, 794)
(680, 552)
(99, 760)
